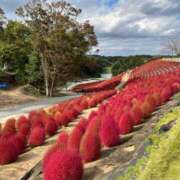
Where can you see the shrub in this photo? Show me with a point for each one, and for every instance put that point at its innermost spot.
(48, 155)
(136, 115)
(36, 121)
(157, 98)
(7, 153)
(62, 140)
(21, 121)
(82, 124)
(150, 99)
(90, 147)
(37, 136)
(176, 87)
(75, 139)
(125, 123)
(50, 127)
(9, 127)
(61, 119)
(146, 109)
(25, 129)
(94, 126)
(0, 129)
(84, 104)
(166, 94)
(17, 141)
(109, 133)
(63, 165)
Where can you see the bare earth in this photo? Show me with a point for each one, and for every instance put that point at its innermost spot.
(13, 97)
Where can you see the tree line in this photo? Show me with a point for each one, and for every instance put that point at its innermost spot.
(47, 46)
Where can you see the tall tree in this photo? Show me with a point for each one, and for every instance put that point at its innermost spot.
(2, 18)
(57, 36)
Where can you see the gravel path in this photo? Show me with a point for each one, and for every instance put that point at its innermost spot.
(24, 108)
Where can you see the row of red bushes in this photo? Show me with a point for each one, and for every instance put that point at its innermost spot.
(105, 126)
(145, 71)
(98, 86)
(154, 68)
(32, 130)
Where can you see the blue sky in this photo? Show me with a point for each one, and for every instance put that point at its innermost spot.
(125, 27)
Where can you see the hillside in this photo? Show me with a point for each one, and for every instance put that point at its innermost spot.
(105, 131)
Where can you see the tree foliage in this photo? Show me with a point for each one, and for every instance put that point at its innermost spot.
(15, 48)
(58, 38)
(124, 63)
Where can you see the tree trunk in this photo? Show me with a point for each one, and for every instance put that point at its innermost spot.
(51, 88)
(45, 74)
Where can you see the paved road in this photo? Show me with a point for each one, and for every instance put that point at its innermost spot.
(26, 107)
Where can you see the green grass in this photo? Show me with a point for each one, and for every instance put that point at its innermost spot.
(163, 160)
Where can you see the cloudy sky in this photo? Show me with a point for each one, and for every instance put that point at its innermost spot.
(125, 27)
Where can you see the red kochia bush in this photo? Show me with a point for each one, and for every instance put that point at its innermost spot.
(50, 127)
(61, 118)
(17, 142)
(84, 104)
(125, 123)
(48, 155)
(166, 94)
(150, 99)
(21, 121)
(0, 129)
(94, 125)
(146, 109)
(82, 124)
(62, 140)
(7, 153)
(9, 127)
(23, 125)
(36, 121)
(61, 145)
(25, 129)
(136, 115)
(90, 147)
(175, 87)
(75, 139)
(37, 136)
(157, 98)
(78, 109)
(64, 165)
(109, 133)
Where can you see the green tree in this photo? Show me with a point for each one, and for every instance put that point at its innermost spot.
(57, 37)
(125, 63)
(15, 48)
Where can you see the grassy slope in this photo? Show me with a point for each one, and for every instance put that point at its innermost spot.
(163, 160)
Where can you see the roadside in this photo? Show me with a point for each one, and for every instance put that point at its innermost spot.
(14, 96)
(14, 102)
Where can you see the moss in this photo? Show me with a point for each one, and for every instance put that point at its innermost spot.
(163, 160)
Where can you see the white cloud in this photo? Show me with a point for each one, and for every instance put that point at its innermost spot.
(129, 27)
